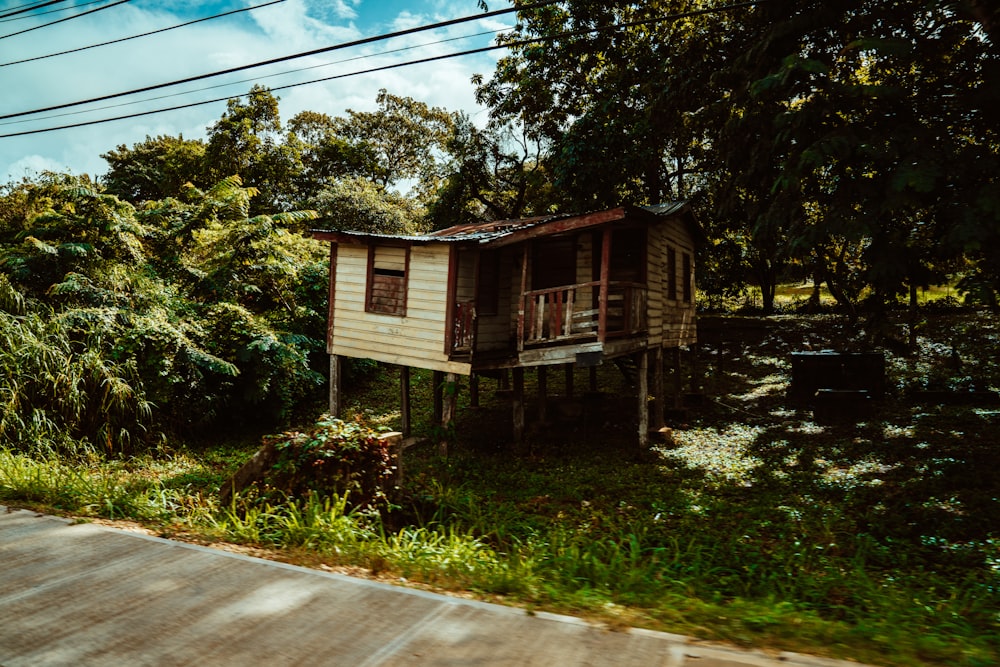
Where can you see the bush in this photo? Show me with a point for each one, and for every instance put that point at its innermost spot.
(335, 457)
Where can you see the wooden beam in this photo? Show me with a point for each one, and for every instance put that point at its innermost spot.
(643, 392)
(569, 379)
(563, 225)
(331, 298)
(658, 403)
(525, 262)
(678, 377)
(437, 380)
(451, 298)
(336, 367)
(404, 400)
(450, 408)
(543, 393)
(517, 404)
(602, 316)
(474, 390)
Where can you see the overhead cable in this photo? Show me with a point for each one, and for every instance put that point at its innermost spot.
(68, 18)
(272, 61)
(29, 8)
(515, 44)
(145, 34)
(259, 78)
(53, 11)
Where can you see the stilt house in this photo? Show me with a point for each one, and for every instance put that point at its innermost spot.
(569, 289)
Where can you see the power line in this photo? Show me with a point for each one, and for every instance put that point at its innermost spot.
(272, 61)
(145, 34)
(53, 11)
(68, 18)
(259, 78)
(30, 7)
(519, 43)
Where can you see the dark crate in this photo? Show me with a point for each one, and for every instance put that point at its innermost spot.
(841, 406)
(812, 371)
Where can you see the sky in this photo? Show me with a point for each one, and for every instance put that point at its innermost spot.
(283, 28)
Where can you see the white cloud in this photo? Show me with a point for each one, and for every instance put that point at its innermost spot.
(290, 27)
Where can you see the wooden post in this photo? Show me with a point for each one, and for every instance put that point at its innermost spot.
(593, 379)
(518, 406)
(503, 382)
(474, 390)
(543, 393)
(658, 403)
(569, 380)
(336, 368)
(643, 363)
(602, 304)
(696, 370)
(404, 399)
(449, 408)
(525, 282)
(678, 377)
(437, 378)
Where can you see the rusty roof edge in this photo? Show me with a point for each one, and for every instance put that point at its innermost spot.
(500, 232)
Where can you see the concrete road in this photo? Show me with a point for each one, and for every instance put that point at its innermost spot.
(83, 594)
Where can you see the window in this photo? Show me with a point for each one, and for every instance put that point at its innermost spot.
(688, 279)
(387, 270)
(671, 274)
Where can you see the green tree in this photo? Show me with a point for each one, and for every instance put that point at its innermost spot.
(154, 169)
(817, 125)
(496, 173)
(247, 141)
(403, 140)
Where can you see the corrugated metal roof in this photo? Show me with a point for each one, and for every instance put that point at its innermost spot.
(485, 232)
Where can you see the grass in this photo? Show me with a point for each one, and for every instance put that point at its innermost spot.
(754, 525)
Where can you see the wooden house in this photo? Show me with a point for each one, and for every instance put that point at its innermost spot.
(568, 289)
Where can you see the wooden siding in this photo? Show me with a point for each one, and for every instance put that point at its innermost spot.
(416, 339)
(677, 316)
(495, 332)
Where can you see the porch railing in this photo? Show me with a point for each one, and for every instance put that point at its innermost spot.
(573, 312)
(464, 327)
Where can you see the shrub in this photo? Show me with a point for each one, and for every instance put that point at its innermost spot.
(335, 457)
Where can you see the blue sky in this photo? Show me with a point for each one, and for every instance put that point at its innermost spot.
(285, 28)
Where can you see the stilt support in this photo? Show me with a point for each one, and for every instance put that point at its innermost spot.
(336, 372)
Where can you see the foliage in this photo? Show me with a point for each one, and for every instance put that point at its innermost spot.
(335, 457)
(353, 203)
(857, 138)
(873, 542)
(400, 140)
(496, 173)
(154, 169)
(183, 314)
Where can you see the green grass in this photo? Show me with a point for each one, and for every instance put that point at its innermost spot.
(876, 542)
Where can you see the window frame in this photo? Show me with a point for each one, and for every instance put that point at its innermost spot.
(398, 283)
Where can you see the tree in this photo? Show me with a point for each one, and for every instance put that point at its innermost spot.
(247, 142)
(817, 125)
(357, 204)
(496, 173)
(155, 168)
(401, 141)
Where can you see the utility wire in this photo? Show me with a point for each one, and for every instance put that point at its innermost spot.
(27, 8)
(515, 44)
(145, 34)
(68, 18)
(259, 78)
(52, 11)
(272, 61)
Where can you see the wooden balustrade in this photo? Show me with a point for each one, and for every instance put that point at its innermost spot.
(572, 312)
